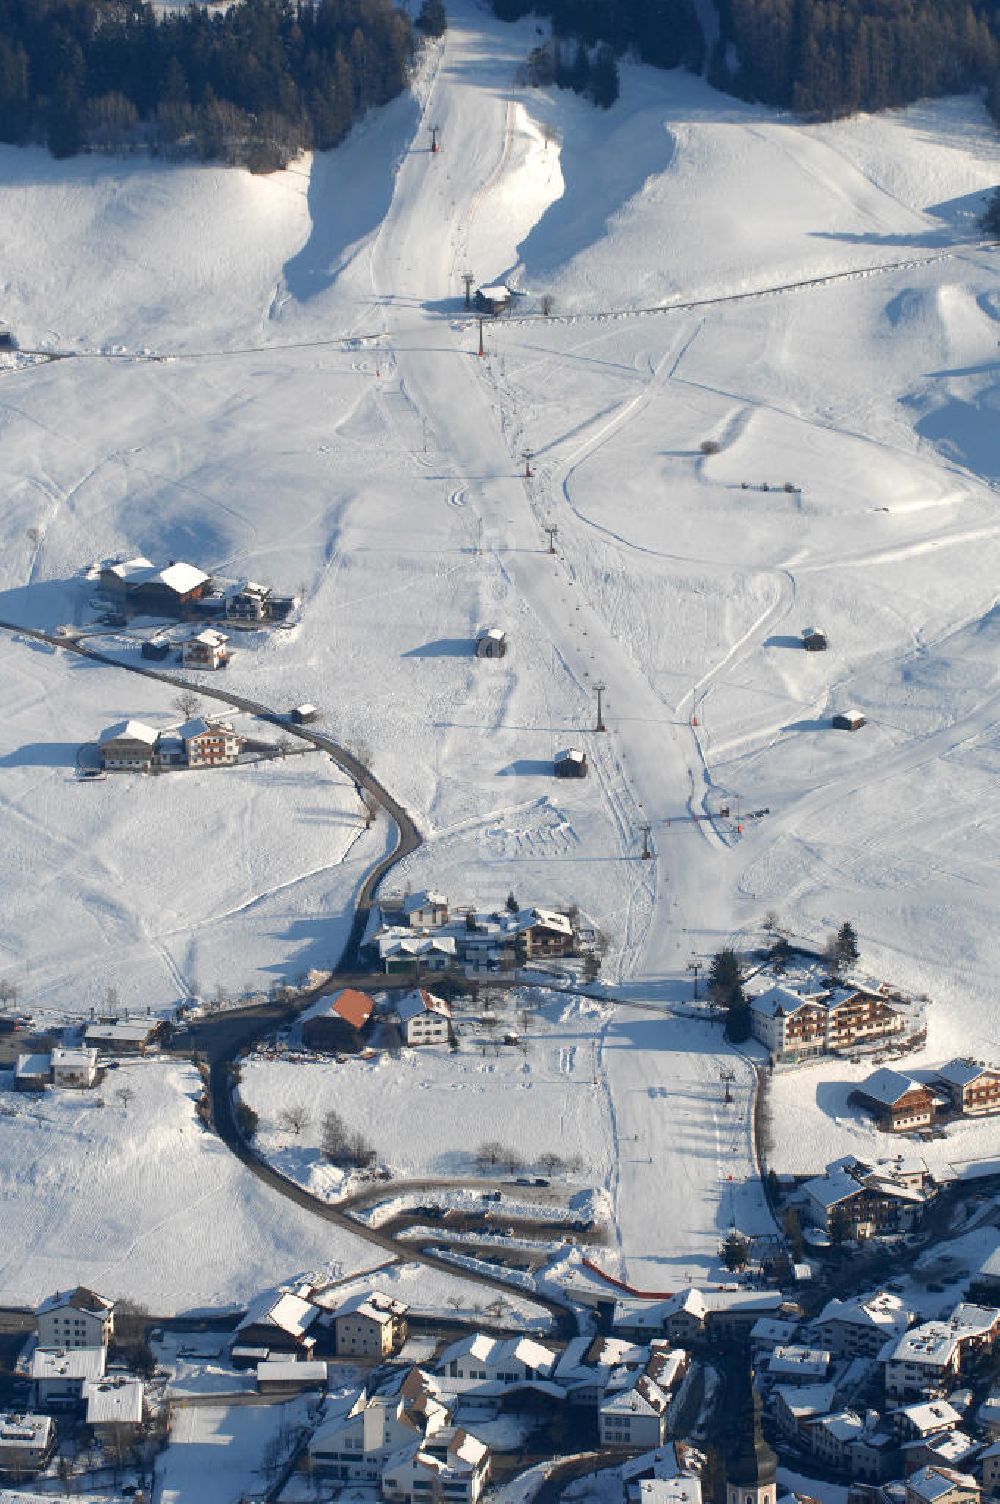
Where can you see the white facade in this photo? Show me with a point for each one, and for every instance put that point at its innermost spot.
(423, 1018)
(74, 1068)
(75, 1318)
(450, 1464)
(60, 1375)
(25, 1442)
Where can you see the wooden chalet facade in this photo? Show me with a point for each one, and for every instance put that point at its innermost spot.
(139, 586)
(897, 1103)
(972, 1087)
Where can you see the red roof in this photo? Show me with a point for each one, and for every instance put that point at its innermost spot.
(353, 1006)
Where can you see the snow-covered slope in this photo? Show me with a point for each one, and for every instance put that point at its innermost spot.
(382, 475)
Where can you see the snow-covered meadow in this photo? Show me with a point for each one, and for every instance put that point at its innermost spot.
(319, 419)
(136, 1198)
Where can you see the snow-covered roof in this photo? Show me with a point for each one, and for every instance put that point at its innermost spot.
(778, 1001)
(133, 731)
(476, 1346)
(934, 1341)
(291, 1371)
(32, 1065)
(114, 1401)
(74, 1060)
(374, 1304)
(198, 725)
(291, 1313)
(210, 637)
(570, 754)
(498, 293)
(413, 903)
(394, 944)
(803, 1401)
(962, 1072)
(413, 1004)
(883, 1309)
(68, 1362)
(78, 1299)
(128, 569)
(932, 1483)
(123, 1033)
(887, 1086)
(683, 1489)
(931, 1415)
(495, 634)
(25, 1429)
(182, 577)
(789, 1360)
(548, 919)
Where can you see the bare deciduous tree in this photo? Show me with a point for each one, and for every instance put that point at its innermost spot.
(294, 1118)
(124, 1095)
(548, 303)
(186, 704)
(369, 806)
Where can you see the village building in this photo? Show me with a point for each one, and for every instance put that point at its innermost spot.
(144, 588)
(794, 1025)
(336, 1024)
(514, 1360)
(424, 910)
(116, 1406)
(401, 952)
(924, 1419)
(989, 1469)
(59, 1375)
(638, 1414)
(75, 1318)
(286, 1377)
(796, 1408)
(282, 1323)
(361, 1432)
(210, 744)
(206, 649)
(926, 1360)
(862, 1325)
(897, 1103)
(543, 932)
(448, 1464)
(32, 1072)
(570, 763)
(127, 746)
(793, 1364)
(941, 1485)
(423, 1018)
(972, 1087)
(860, 1200)
(26, 1443)
(954, 1448)
(74, 1068)
(491, 643)
(124, 1038)
(370, 1325)
(251, 602)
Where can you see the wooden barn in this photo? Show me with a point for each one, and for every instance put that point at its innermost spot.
(337, 1023)
(813, 640)
(145, 589)
(848, 720)
(491, 643)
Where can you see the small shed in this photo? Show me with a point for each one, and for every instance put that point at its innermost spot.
(491, 643)
(848, 720)
(813, 640)
(303, 714)
(7, 340)
(572, 763)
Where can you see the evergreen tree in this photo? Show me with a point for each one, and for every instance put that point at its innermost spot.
(432, 20)
(847, 944)
(725, 979)
(604, 83)
(735, 1251)
(991, 218)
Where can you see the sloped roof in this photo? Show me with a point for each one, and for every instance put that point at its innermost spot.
(961, 1072)
(412, 1004)
(353, 1006)
(182, 577)
(888, 1086)
(79, 1299)
(135, 731)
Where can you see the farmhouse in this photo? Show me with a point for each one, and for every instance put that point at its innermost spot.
(121, 1038)
(205, 649)
(336, 1023)
(897, 1103)
(75, 1068)
(571, 763)
(972, 1087)
(370, 1326)
(26, 1443)
(128, 745)
(281, 1323)
(143, 587)
(251, 602)
(424, 910)
(423, 1018)
(75, 1318)
(491, 643)
(210, 744)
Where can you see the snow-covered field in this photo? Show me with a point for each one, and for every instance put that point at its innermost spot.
(140, 1200)
(222, 1453)
(380, 475)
